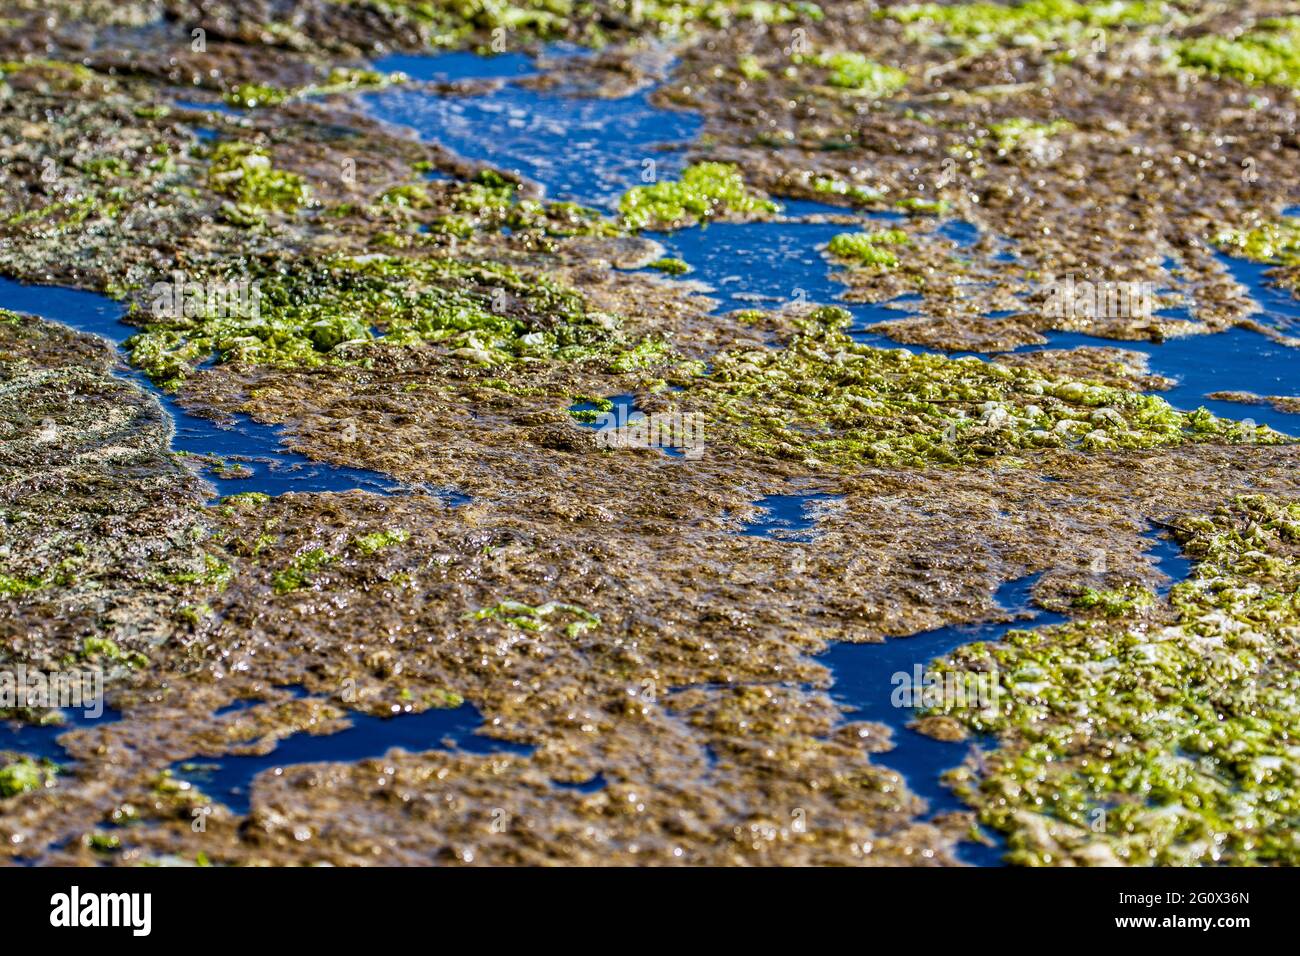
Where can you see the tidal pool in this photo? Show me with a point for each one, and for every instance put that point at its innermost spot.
(581, 149)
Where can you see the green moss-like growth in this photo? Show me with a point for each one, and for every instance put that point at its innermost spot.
(1275, 242)
(838, 187)
(925, 207)
(301, 571)
(24, 776)
(749, 67)
(253, 95)
(14, 586)
(531, 618)
(853, 71)
(674, 267)
(1121, 602)
(705, 191)
(1031, 23)
(826, 399)
(481, 312)
(453, 23)
(340, 80)
(869, 248)
(1021, 134)
(1153, 741)
(1269, 53)
(244, 173)
(371, 544)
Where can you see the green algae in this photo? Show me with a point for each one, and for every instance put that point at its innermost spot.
(749, 67)
(454, 23)
(831, 186)
(705, 190)
(530, 618)
(14, 586)
(675, 16)
(852, 71)
(1141, 741)
(984, 25)
(339, 80)
(481, 312)
(1274, 242)
(1017, 134)
(826, 399)
(925, 207)
(451, 22)
(253, 95)
(1267, 54)
(1120, 602)
(104, 842)
(302, 571)
(674, 267)
(869, 248)
(24, 776)
(408, 196)
(244, 173)
(371, 544)
(491, 203)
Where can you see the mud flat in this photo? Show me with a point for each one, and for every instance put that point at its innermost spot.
(363, 578)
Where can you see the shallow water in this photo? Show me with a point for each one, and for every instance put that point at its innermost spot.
(867, 676)
(42, 741)
(1234, 360)
(786, 517)
(580, 149)
(257, 447)
(590, 150)
(229, 779)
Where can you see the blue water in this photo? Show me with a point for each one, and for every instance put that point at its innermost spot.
(963, 233)
(247, 703)
(229, 779)
(739, 262)
(458, 65)
(42, 741)
(736, 259)
(582, 149)
(1235, 360)
(215, 106)
(1167, 555)
(257, 447)
(786, 517)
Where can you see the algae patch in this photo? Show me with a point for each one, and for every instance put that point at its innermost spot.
(825, 398)
(480, 312)
(983, 25)
(1269, 53)
(1154, 737)
(705, 191)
